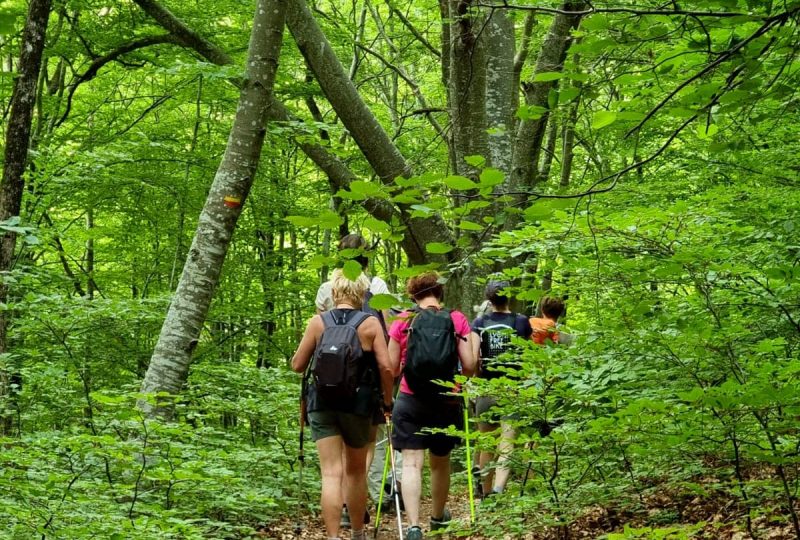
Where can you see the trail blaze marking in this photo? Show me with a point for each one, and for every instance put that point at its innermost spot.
(232, 201)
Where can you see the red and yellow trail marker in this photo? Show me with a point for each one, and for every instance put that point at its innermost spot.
(232, 201)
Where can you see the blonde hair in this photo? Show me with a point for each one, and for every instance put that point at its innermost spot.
(343, 290)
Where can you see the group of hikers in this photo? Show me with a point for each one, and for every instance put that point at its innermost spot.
(352, 360)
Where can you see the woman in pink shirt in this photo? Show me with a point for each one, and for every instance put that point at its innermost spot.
(415, 412)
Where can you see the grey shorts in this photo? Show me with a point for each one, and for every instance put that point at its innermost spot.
(356, 431)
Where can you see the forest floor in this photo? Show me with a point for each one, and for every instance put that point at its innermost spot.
(718, 518)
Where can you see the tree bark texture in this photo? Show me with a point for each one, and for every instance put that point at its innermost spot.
(530, 133)
(17, 143)
(169, 365)
(500, 87)
(466, 86)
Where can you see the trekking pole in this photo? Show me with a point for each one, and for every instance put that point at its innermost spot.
(396, 492)
(380, 497)
(469, 462)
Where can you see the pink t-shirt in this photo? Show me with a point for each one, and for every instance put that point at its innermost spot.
(398, 333)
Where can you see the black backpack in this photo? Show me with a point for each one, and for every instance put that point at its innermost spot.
(496, 340)
(337, 364)
(431, 352)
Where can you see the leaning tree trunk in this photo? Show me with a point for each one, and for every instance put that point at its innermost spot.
(379, 150)
(23, 100)
(530, 132)
(169, 365)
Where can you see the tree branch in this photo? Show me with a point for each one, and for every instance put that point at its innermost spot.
(766, 27)
(413, 30)
(109, 57)
(632, 11)
(186, 35)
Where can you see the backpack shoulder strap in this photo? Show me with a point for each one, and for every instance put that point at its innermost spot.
(358, 318)
(327, 319)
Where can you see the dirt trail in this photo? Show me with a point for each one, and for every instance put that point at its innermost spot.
(314, 530)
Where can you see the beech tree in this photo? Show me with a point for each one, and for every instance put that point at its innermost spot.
(180, 332)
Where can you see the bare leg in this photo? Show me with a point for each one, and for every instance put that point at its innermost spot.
(484, 458)
(504, 449)
(412, 483)
(440, 483)
(355, 484)
(330, 461)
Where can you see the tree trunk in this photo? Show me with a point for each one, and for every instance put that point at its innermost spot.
(169, 365)
(530, 133)
(466, 87)
(500, 87)
(382, 155)
(23, 100)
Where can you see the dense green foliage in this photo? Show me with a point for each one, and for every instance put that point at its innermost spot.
(682, 274)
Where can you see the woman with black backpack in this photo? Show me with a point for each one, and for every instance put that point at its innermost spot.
(341, 345)
(429, 342)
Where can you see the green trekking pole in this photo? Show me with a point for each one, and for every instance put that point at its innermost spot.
(469, 462)
(380, 497)
(396, 491)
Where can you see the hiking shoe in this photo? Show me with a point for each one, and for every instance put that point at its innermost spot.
(442, 522)
(344, 522)
(414, 533)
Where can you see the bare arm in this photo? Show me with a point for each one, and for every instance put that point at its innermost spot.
(468, 359)
(302, 355)
(394, 356)
(475, 341)
(386, 364)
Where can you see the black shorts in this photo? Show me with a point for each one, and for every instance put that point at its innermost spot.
(411, 415)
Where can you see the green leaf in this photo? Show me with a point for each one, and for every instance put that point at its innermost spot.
(438, 248)
(476, 161)
(568, 94)
(368, 189)
(530, 112)
(595, 22)
(383, 301)
(325, 220)
(548, 76)
(706, 131)
(603, 118)
(376, 226)
(491, 177)
(352, 270)
(459, 183)
(538, 211)
(469, 225)
(630, 115)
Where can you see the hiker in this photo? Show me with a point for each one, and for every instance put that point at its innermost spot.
(324, 302)
(545, 328)
(340, 410)
(355, 242)
(428, 342)
(493, 337)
